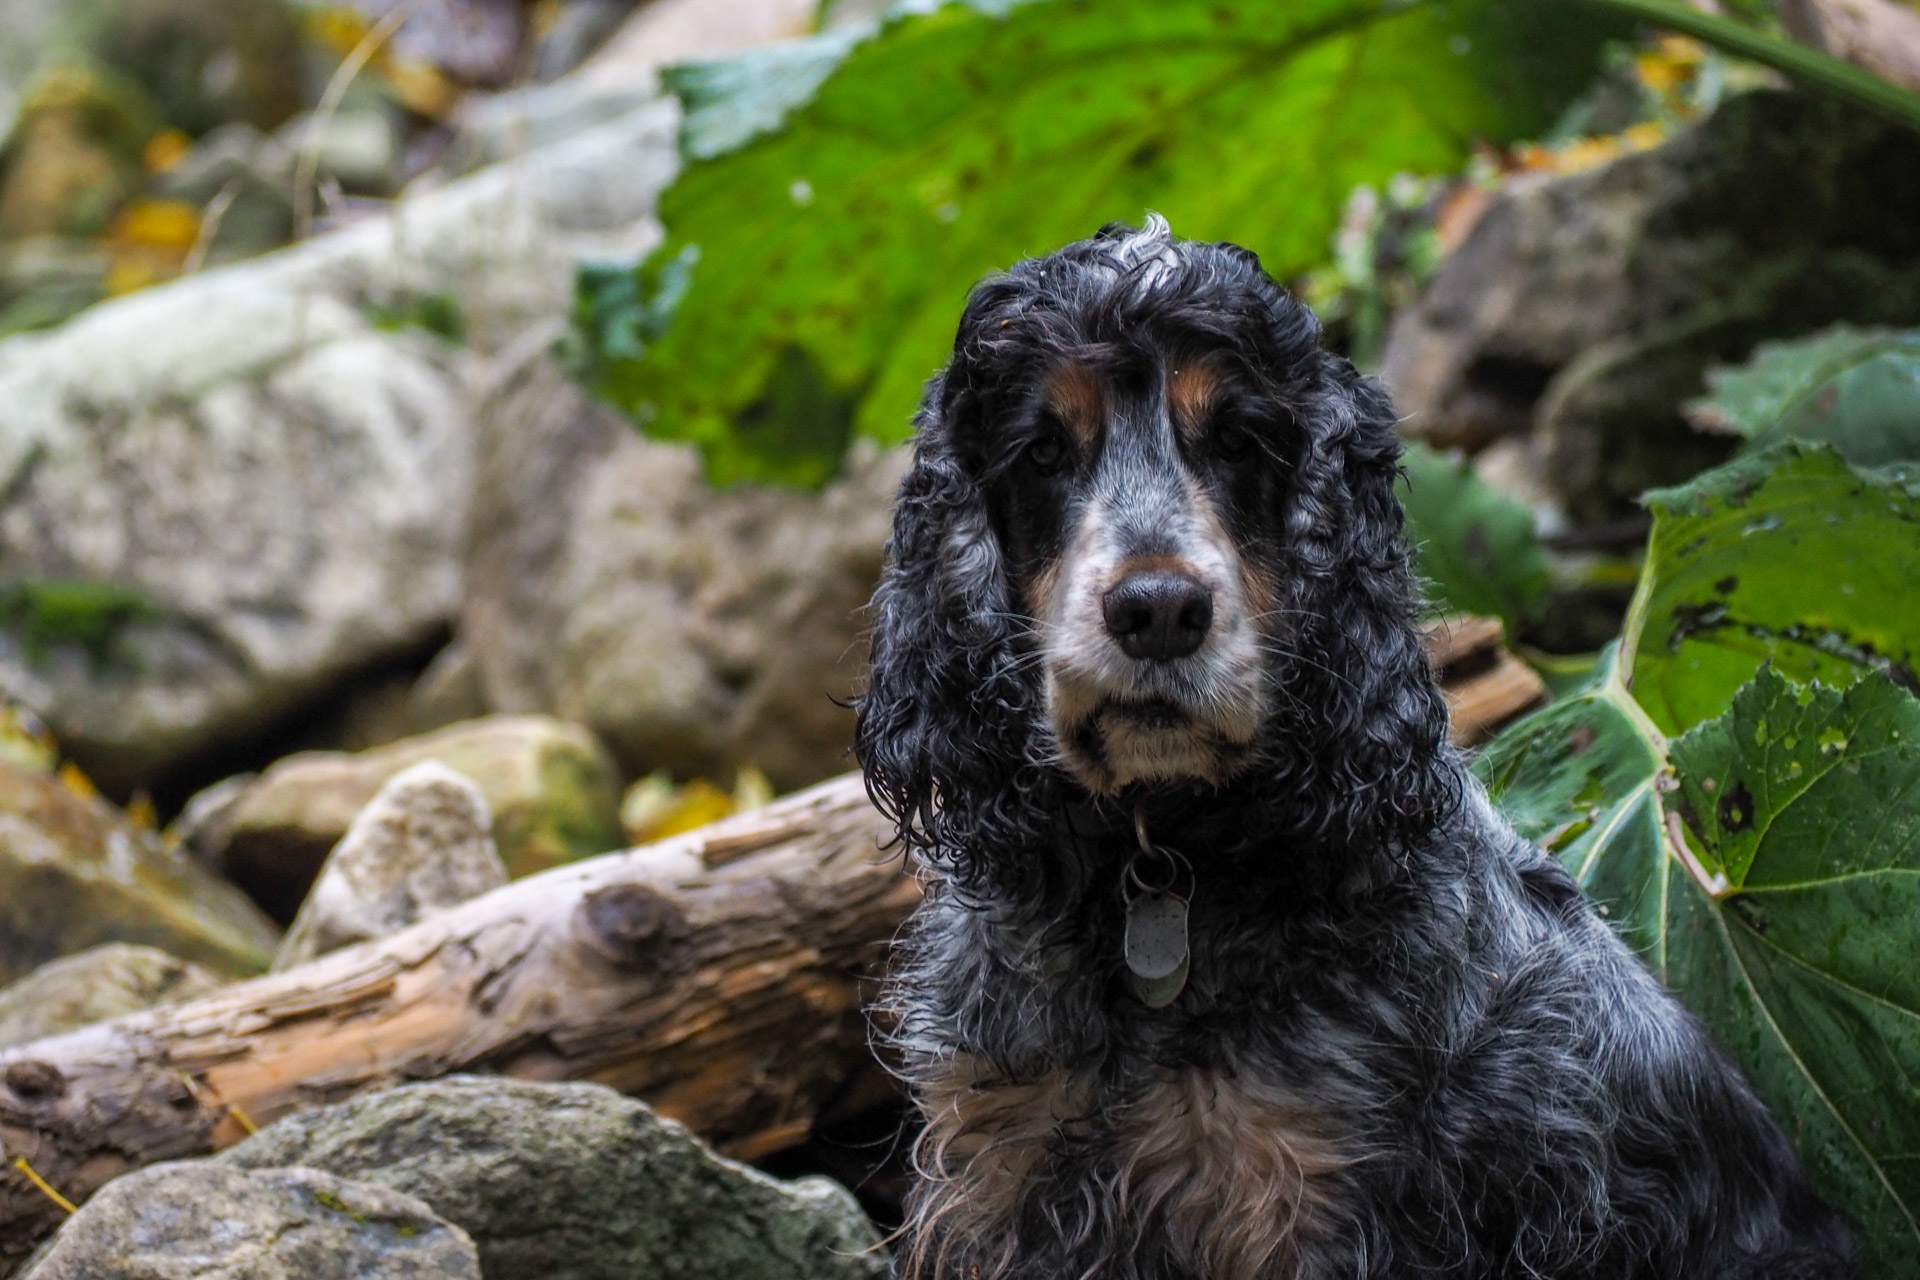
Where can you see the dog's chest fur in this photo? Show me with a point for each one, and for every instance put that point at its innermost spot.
(1232, 1177)
(1202, 1157)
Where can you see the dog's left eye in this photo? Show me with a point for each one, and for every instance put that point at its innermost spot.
(1233, 441)
(1047, 455)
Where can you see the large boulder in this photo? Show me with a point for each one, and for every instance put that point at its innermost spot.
(423, 844)
(74, 873)
(553, 794)
(575, 1182)
(276, 484)
(99, 983)
(693, 629)
(1584, 309)
(203, 1221)
(265, 474)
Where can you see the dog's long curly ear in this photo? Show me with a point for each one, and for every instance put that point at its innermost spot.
(942, 729)
(1381, 724)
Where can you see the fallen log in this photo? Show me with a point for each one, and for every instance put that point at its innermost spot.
(718, 974)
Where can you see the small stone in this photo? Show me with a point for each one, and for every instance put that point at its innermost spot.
(425, 843)
(194, 1219)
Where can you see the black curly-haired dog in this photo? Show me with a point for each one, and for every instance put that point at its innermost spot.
(1226, 968)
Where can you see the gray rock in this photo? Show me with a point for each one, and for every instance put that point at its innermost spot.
(196, 1220)
(75, 873)
(282, 484)
(281, 480)
(575, 1182)
(1584, 309)
(691, 629)
(97, 984)
(425, 843)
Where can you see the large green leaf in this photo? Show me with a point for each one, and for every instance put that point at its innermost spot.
(1788, 556)
(1476, 546)
(1855, 389)
(824, 263)
(1766, 864)
(1756, 838)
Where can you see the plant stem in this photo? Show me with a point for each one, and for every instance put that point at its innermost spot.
(1811, 67)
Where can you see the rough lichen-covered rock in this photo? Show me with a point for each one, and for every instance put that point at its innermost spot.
(97, 984)
(196, 1220)
(74, 873)
(1585, 309)
(575, 1182)
(553, 793)
(264, 470)
(424, 843)
(693, 629)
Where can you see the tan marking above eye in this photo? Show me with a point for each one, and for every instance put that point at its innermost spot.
(1192, 389)
(1074, 394)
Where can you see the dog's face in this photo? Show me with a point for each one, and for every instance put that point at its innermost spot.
(1149, 539)
(1136, 490)
(1135, 447)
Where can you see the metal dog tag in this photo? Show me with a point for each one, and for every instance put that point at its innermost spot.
(1156, 947)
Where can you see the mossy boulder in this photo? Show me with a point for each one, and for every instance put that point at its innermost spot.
(575, 1182)
(75, 873)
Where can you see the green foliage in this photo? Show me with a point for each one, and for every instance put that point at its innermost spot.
(1757, 839)
(1855, 389)
(1790, 557)
(92, 615)
(811, 277)
(1476, 546)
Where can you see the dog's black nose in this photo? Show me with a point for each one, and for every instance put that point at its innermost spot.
(1159, 615)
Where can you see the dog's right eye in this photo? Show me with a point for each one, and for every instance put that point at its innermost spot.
(1047, 455)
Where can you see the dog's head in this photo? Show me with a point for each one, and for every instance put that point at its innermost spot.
(1149, 541)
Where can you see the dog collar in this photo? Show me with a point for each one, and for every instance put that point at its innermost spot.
(1155, 944)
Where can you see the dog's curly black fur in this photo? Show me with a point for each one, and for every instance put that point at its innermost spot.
(1407, 1046)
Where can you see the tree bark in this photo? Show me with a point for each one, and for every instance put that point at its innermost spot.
(717, 974)
(1876, 35)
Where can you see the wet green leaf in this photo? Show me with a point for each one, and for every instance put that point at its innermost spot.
(1765, 861)
(1789, 556)
(1855, 389)
(841, 196)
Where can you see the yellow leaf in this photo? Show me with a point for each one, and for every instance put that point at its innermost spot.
(77, 782)
(420, 87)
(158, 224)
(165, 149)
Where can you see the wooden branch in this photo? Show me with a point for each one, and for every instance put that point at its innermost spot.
(1876, 35)
(717, 974)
